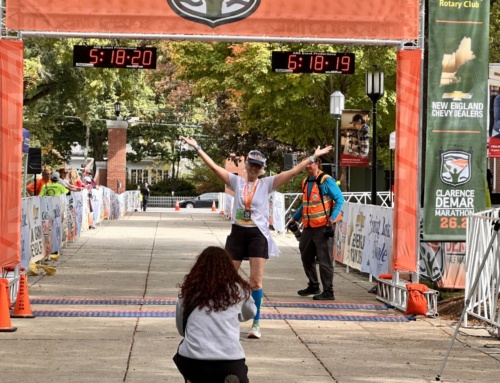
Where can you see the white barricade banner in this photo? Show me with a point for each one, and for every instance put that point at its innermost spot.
(36, 237)
(107, 203)
(64, 221)
(339, 243)
(71, 216)
(278, 211)
(100, 193)
(228, 206)
(356, 234)
(47, 224)
(25, 234)
(96, 206)
(377, 254)
(86, 212)
(56, 223)
(78, 205)
(115, 207)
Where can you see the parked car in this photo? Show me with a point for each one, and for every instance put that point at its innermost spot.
(203, 200)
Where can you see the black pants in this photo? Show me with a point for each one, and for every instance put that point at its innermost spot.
(314, 245)
(210, 371)
(144, 203)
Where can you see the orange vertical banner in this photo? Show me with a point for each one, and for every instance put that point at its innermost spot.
(405, 250)
(11, 123)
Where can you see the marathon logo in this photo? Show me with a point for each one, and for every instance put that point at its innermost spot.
(214, 12)
(455, 167)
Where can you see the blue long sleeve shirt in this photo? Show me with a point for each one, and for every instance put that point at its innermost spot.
(328, 187)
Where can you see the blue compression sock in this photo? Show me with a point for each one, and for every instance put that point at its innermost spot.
(257, 297)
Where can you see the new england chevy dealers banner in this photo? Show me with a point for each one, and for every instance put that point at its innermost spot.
(457, 109)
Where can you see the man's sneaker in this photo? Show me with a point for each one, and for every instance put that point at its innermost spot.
(254, 332)
(309, 291)
(324, 296)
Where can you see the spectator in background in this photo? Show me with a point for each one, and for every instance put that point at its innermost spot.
(74, 180)
(85, 167)
(53, 188)
(64, 180)
(39, 183)
(145, 196)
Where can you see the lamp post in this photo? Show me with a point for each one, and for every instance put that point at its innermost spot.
(392, 146)
(118, 108)
(336, 107)
(374, 91)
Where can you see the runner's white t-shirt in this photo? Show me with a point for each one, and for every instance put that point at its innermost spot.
(259, 208)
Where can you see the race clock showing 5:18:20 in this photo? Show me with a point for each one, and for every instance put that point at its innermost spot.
(310, 62)
(114, 57)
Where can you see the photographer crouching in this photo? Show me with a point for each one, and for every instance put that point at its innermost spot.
(322, 202)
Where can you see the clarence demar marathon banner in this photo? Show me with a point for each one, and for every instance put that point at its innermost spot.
(457, 108)
(386, 19)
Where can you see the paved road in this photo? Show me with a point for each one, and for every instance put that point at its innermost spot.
(107, 316)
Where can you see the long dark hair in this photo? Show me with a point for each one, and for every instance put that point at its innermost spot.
(213, 282)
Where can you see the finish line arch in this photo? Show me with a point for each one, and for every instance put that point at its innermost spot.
(389, 22)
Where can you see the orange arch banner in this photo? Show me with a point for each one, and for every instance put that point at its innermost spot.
(349, 19)
(11, 123)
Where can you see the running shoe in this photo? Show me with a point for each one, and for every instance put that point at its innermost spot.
(254, 332)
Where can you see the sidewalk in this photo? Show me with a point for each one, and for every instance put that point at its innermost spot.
(107, 316)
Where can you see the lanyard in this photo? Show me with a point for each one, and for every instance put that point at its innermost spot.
(247, 198)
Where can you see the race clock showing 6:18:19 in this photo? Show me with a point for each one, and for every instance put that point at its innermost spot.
(114, 57)
(309, 62)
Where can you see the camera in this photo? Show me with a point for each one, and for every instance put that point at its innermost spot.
(328, 231)
(294, 228)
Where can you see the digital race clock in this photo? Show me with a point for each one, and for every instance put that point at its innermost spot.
(304, 62)
(114, 57)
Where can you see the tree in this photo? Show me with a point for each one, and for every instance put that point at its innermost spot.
(61, 100)
(273, 111)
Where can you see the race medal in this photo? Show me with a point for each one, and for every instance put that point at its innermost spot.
(247, 215)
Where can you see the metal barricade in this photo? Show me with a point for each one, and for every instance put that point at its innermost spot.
(483, 249)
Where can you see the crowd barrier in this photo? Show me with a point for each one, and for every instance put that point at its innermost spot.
(48, 223)
(483, 247)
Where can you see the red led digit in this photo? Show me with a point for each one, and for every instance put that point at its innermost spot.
(120, 57)
(292, 64)
(136, 57)
(94, 56)
(319, 63)
(346, 63)
(147, 58)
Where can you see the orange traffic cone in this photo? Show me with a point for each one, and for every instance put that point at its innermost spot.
(213, 206)
(22, 309)
(5, 324)
(5, 281)
(177, 208)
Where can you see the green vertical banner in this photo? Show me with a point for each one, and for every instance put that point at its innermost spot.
(457, 109)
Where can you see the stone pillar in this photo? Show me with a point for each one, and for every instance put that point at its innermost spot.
(117, 155)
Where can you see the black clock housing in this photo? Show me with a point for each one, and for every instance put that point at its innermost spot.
(311, 62)
(114, 57)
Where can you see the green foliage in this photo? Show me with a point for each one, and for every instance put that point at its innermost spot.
(204, 179)
(277, 112)
(180, 187)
